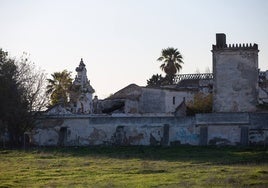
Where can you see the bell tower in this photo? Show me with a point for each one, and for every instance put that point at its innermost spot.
(82, 91)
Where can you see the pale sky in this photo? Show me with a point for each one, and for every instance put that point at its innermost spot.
(120, 40)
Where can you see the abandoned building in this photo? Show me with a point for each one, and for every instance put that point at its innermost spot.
(138, 115)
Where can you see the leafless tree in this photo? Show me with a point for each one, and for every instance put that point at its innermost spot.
(22, 92)
(33, 80)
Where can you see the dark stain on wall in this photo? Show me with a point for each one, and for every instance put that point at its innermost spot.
(135, 139)
(165, 138)
(97, 134)
(119, 137)
(219, 141)
(175, 143)
(258, 136)
(153, 141)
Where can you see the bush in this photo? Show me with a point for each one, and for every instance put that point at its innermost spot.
(202, 103)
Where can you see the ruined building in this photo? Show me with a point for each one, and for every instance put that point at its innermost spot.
(80, 95)
(236, 83)
(81, 92)
(156, 116)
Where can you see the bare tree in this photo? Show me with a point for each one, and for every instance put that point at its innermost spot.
(33, 80)
(22, 91)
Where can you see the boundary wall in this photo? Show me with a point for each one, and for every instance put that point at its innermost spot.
(202, 129)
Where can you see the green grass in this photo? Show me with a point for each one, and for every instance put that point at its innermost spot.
(183, 166)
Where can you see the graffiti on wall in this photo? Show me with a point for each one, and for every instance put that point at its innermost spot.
(186, 135)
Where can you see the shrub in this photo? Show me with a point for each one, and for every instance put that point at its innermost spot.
(202, 103)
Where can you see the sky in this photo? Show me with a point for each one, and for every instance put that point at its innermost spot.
(120, 40)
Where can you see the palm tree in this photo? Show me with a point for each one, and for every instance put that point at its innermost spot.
(59, 87)
(172, 60)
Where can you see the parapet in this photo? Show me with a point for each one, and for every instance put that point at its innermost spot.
(236, 47)
(221, 44)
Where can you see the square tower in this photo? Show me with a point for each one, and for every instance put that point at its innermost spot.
(235, 69)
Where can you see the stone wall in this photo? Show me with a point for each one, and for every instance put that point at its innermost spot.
(234, 128)
(202, 129)
(87, 130)
(152, 101)
(174, 98)
(163, 100)
(145, 100)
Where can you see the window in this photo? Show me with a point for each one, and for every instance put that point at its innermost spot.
(173, 100)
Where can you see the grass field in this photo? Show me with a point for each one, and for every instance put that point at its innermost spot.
(183, 166)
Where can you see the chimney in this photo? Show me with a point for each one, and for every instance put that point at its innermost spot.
(220, 40)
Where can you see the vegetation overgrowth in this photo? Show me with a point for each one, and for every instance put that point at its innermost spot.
(181, 166)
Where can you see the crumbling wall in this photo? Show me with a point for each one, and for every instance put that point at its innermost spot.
(233, 128)
(174, 98)
(131, 106)
(258, 130)
(152, 101)
(202, 129)
(107, 130)
(184, 132)
(163, 100)
(235, 82)
(224, 135)
(222, 128)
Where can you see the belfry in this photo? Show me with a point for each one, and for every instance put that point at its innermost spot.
(81, 95)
